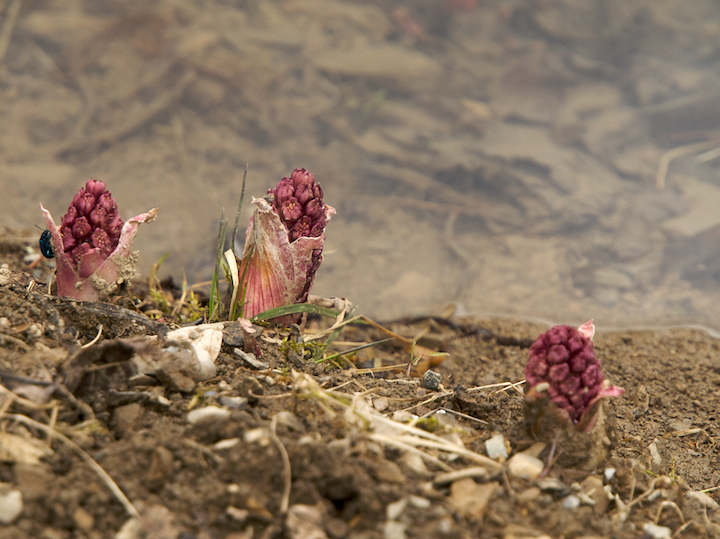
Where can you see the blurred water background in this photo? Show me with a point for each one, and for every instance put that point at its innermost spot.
(540, 158)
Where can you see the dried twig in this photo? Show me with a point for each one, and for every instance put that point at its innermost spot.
(287, 472)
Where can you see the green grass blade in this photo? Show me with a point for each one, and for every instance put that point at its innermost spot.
(293, 309)
(214, 304)
(237, 217)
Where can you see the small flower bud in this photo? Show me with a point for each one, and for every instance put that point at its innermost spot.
(91, 233)
(564, 358)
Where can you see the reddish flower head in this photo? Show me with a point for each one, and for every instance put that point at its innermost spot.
(91, 233)
(565, 360)
(286, 238)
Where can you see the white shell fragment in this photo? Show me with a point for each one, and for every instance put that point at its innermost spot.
(206, 340)
(209, 412)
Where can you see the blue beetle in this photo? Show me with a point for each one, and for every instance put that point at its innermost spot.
(45, 242)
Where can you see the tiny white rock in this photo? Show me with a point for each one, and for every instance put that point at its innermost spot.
(657, 532)
(394, 530)
(525, 467)
(609, 473)
(208, 412)
(496, 447)
(395, 509)
(11, 505)
(571, 502)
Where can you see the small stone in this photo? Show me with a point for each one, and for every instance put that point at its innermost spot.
(226, 444)
(239, 515)
(237, 403)
(419, 502)
(657, 532)
(414, 462)
(387, 471)
(529, 494)
(395, 509)
(380, 404)
(431, 380)
(496, 448)
(552, 484)
(470, 498)
(251, 360)
(525, 467)
(83, 519)
(394, 530)
(304, 522)
(208, 412)
(571, 502)
(609, 473)
(11, 504)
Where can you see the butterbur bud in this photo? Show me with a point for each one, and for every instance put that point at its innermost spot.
(283, 244)
(93, 246)
(563, 366)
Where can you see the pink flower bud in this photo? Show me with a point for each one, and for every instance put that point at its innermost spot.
(564, 359)
(92, 247)
(286, 241)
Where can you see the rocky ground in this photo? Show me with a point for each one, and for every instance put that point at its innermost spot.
(349, 447)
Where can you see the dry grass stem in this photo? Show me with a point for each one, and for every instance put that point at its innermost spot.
(459, 414)
(12, 397)
(287, 472)
(504, 385)
(204, 450)
(96, 339)
(671, 505)
(398, 444)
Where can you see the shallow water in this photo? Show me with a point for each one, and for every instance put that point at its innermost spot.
(500, 156)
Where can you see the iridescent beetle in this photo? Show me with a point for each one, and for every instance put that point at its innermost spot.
(45, 242)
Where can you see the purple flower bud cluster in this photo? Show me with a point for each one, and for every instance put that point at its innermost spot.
(298, 201)
(92, 223)
(565, 359)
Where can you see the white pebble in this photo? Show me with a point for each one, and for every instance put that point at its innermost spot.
(11, 505)
(209, 412)
(496, 447)
(609, 473)
(395, 509)
(525, 467)
(394, 530)
(571, 502)
(657, 532)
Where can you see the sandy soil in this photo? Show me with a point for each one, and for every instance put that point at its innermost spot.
(224, 477)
